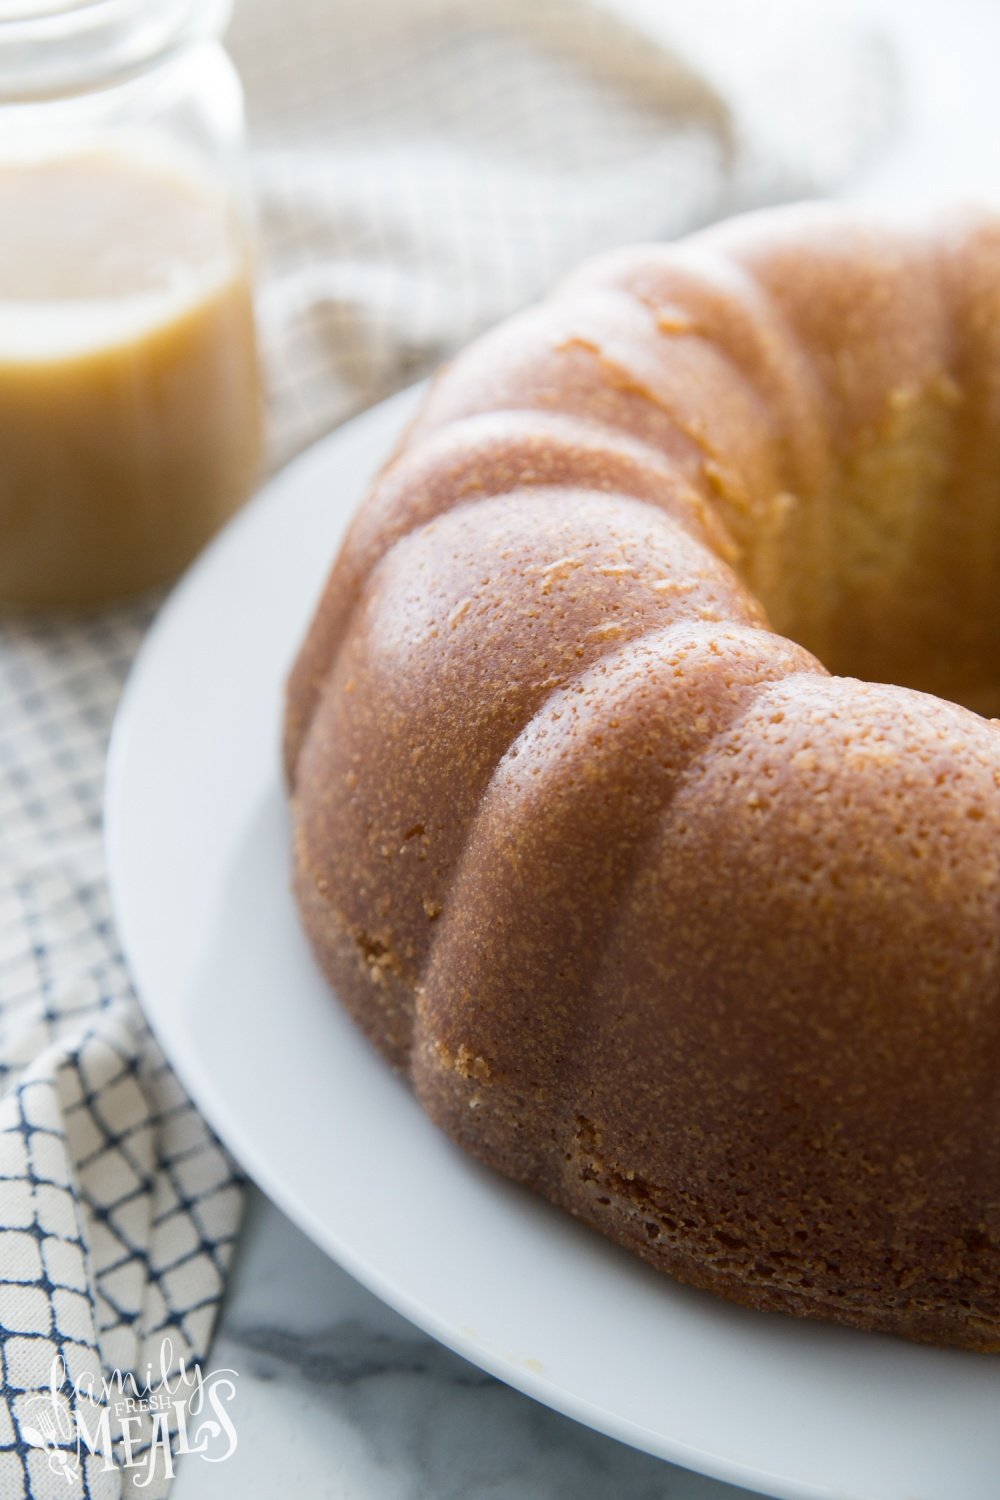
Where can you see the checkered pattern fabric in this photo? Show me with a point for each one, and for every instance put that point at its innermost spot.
(422, 166)
(118, 1212)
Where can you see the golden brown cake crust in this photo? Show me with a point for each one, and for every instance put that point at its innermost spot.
(663, 919)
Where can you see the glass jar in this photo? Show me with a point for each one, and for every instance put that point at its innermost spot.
(130, 399)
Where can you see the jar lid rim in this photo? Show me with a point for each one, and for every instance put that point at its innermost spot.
(55, 46)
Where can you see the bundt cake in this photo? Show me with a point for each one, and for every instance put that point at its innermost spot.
(646, 803)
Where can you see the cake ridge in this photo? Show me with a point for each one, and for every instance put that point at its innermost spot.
(684, 653)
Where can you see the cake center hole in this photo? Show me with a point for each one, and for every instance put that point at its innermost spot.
(894, 579)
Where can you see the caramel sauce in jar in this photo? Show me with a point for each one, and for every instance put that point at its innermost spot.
(130, 400)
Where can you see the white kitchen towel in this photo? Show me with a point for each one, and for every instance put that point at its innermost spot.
(421, 166)
(424, 166)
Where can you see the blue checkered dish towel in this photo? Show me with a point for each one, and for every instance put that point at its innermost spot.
(118, 1211)
(422, 166)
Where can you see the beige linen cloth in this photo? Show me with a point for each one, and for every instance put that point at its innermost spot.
(424, 166)
(421, 167)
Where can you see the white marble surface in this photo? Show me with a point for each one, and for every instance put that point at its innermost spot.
(338, 1396)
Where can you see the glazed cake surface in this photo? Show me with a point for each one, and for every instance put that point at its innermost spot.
(645, 794)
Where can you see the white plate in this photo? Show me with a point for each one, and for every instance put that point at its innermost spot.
(197, 840)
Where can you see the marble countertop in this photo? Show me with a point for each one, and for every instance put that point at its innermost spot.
(340, 1397)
